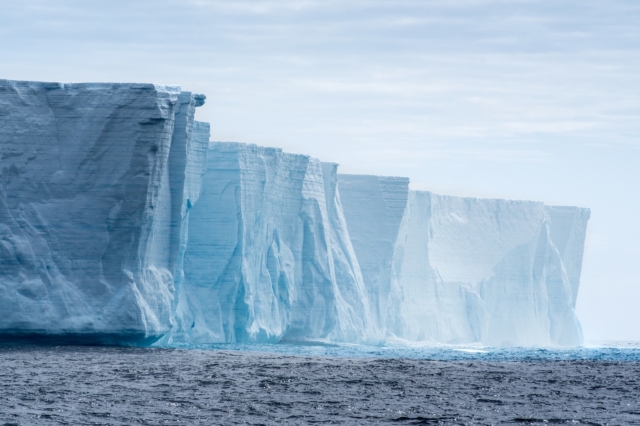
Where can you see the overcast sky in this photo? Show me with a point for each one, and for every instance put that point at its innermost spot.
(531, 100)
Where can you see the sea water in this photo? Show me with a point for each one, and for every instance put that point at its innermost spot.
(614, 351)
(316, 383)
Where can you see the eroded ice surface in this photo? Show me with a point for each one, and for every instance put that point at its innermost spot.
(90, 177)
(373, 207)
(196, 165)
(269, 257)
(120, 223)
(464, 270)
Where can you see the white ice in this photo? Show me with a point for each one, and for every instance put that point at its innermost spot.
(121, 223)
(269, 257)
(468, 270)
(89, 228)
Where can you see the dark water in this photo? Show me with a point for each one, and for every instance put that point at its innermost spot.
(92, 385)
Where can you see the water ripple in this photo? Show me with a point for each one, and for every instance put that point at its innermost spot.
(103, 385)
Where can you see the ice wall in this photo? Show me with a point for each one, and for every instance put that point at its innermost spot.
(89, 228)
(373, 207)
(355, 302)
(467, 270)
(196, 151)
(567, 227)
(268, 257)
(120, 223)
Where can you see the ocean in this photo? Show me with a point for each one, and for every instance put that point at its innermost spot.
(318, 384)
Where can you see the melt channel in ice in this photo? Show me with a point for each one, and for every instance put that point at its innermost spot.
(91, 186)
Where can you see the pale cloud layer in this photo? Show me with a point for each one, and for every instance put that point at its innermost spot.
(518, 99)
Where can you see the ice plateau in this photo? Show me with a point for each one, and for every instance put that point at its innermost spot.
(121, 223)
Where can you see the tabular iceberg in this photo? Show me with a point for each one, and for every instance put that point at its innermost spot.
(89, 228)
(268, 257)
(121, 223)
(466, 270)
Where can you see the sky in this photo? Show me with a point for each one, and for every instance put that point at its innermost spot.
(536, 100)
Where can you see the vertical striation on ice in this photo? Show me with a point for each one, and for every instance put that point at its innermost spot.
(195, 153)
(466, 270)
(567, 227)
(267, 247)
(121, 223)
(87, 210)
(354, 301)
(373, 207)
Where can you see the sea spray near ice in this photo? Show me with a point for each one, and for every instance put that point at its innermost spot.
(120, 223)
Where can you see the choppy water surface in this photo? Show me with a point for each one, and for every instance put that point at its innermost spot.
(286, 384)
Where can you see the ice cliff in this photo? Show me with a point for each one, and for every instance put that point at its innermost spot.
(373, 207)
(465, 270)
(91, 182)
(121, 223)
(269, 257)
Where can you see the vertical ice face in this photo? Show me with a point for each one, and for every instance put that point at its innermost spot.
(119, 222)
(373, 207)
(567, 227)
(454, 270)
(195, 153)
(88, 221)
(470, 251)
(476, 270)
(354, 301)
(265, 251)
(187, 163)
(567, 230)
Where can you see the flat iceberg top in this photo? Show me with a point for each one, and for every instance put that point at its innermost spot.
(363, 177)
(253, 149)
(562, 208)
(88, 86)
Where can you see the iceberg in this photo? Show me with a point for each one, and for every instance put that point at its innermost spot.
(269, 258)
(468, 270)
(120, 223)
(89, 224)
